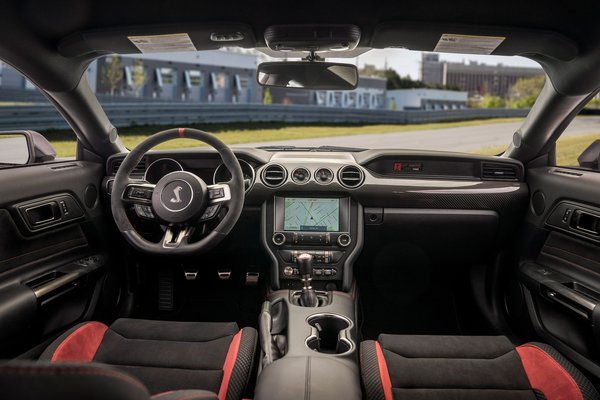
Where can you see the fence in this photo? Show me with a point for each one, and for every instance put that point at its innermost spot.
(44, 117)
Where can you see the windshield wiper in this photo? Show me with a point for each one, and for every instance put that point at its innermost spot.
(320, 148)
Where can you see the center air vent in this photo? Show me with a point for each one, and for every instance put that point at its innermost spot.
(351, 176)
(139, 169)
(274, 175)
(497, 171)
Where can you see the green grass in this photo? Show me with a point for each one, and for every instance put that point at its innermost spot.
(568, 148)
(15, 103)
(64, 143)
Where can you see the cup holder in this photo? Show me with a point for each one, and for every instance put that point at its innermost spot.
(330, 334)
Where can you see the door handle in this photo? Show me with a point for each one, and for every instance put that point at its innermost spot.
(43, 213)
(586, 222)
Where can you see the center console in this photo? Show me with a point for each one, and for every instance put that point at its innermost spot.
(327, 227)
(308, 352)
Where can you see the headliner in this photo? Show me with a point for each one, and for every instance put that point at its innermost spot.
(31, 30)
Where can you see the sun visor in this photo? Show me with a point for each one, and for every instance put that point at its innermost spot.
(472, 39)
(158, 38)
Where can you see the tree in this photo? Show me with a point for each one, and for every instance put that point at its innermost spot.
(594, 103)
(267, 98)
(492, 102)
(112, 73)
(395, 81)
(139, 76)
(524, 92)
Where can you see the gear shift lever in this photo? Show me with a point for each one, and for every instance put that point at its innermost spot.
(308, 298)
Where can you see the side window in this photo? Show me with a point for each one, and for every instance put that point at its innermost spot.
(31, 130)
(579, 145)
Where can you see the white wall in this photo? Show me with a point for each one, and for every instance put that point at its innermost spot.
(415, 98)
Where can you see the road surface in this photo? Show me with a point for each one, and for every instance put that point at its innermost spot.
(467, 138)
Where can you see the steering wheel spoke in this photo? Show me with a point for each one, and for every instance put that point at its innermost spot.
(218, 193)
(218, 196)
(138, 192)
(177, 236)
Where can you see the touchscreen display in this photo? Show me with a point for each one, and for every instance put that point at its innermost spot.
(311, 214)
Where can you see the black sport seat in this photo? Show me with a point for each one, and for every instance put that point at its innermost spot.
(165, 356)
(467, 367)
(74, 381)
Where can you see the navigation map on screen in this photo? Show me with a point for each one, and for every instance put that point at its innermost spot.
(311, 214)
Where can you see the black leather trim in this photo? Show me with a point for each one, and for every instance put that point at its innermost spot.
(308, 378)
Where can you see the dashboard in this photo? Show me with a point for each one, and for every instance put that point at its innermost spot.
(322, 202)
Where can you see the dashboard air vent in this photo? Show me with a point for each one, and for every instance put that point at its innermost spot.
(274, 175)
(351, 176)
(139, 169)
(498, 171)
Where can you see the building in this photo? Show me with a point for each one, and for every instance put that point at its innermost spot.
(426, 99)
(370, 94)
(10, 78)
(208, 77)
(473, 77)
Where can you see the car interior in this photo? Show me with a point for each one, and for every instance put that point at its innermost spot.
(298, 273)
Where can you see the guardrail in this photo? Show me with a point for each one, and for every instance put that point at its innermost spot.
(44, 116)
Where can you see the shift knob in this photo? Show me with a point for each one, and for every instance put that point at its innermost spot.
(304, 262)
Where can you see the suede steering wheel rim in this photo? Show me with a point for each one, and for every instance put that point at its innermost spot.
(179, 200)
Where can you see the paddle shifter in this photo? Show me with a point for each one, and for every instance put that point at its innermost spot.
(308, 298)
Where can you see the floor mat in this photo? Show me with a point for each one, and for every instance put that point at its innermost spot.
(207, 298)
(382, 311)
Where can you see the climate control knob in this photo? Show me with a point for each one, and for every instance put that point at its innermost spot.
(278, 238)
(344, 240)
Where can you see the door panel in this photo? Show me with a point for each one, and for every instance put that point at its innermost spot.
(559, 268)
(52, 250)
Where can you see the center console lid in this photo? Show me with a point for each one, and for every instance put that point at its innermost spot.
(305, 377)
(309, 352)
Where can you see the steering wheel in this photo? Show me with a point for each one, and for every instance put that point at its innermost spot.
(179, 200)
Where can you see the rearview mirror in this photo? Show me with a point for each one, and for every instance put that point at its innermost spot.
(24, 147)
(308, 75)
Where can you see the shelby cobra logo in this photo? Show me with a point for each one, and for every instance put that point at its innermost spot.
(176, 191)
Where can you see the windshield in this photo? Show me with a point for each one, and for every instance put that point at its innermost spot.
(404, 99)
